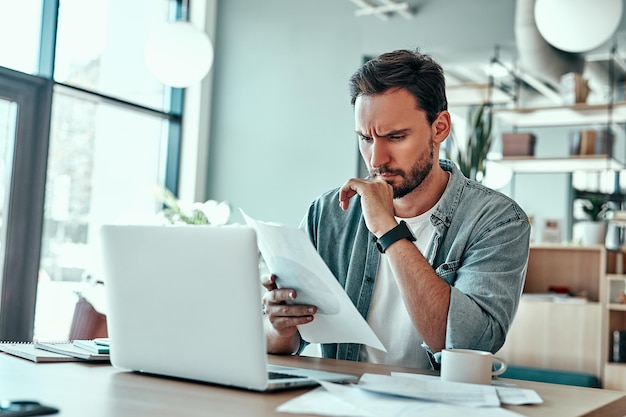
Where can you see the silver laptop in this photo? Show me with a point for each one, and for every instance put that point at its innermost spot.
(185, 301)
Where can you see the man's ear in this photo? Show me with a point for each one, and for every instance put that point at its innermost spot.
(441, 126)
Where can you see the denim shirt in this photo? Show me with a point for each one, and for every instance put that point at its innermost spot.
(480, 248)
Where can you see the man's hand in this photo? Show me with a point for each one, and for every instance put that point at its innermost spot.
(376, 202)
(283, 336)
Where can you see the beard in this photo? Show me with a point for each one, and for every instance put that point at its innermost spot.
(415, 176)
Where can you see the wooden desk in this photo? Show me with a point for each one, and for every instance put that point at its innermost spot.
(99, 390)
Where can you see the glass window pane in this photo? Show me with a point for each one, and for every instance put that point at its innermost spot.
(20, 21)
(103, 166)
(100, 47)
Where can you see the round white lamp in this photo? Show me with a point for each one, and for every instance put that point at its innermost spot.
(577, 25)
(497, 175)
(179, 54)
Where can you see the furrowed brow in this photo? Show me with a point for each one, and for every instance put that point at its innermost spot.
(398, 132)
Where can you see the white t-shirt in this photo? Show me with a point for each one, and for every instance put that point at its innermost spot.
(388, 316)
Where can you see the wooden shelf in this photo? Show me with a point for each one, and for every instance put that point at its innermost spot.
(567, 248)
(468, 94)
(616, 277)
(617, 364)
(614, 376)
(561, 164)
(575, 115)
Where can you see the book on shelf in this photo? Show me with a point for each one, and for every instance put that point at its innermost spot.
(70, 349)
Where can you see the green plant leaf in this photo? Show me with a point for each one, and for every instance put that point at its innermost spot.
(471, 160)
(595, 206)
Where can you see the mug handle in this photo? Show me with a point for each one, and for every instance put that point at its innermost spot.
(503, 366)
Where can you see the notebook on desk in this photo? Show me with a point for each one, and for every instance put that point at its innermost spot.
(185, 301)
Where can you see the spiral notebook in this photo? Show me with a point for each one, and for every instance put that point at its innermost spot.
(27, 350)
(51, 351)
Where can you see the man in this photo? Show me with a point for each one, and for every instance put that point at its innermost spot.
(431, 259)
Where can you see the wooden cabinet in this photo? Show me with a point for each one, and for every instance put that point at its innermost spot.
(559, 332)
(615, 315)
(574, 333)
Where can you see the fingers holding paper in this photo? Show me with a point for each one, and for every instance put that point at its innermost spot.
(283, 315)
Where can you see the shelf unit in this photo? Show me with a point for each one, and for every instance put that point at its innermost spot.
(570, 336)
(563, 116)
(561, 333)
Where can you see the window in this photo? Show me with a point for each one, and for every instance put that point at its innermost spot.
(114, 135)
(100, 48)
(20, 20)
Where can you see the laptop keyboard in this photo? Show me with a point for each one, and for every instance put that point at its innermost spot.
(280, 375)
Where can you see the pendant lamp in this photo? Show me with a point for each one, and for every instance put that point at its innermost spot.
(178, 53)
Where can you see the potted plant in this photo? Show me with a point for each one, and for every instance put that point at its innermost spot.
(593, 229)
(176, 211)
(471, 156)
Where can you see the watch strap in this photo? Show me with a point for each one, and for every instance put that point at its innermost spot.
(401, 231)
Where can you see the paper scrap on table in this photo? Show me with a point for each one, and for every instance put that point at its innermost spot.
(350, 401)
(290, 255)
(469, 395)
(508, 394)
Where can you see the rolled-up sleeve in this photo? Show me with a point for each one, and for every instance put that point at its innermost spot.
(486, 284)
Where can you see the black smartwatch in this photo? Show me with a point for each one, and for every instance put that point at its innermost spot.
(401, 231)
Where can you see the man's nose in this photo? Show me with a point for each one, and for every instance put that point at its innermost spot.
(379, 155)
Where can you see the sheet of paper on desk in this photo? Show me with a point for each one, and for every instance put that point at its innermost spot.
(290, 255)
(351, 401)
(470, 395)
(510, 395)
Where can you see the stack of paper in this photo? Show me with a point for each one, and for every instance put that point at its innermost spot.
(409, 394)
(74, 349)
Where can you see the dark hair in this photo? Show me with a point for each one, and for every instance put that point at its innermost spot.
(411, 70)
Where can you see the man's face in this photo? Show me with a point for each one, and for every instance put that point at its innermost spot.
(395, 139)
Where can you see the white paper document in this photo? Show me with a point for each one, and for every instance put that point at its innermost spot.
(349, 400)
(469, 395)
(508, 394)
(290, 255)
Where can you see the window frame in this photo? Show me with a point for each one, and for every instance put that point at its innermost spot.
(25, 215)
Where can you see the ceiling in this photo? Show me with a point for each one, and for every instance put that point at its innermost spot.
(528, 57)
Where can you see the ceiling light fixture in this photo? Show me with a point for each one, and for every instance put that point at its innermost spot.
(178, 53)
(578, 25)
(383, 9)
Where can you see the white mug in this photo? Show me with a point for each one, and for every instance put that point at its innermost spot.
(470, 366)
